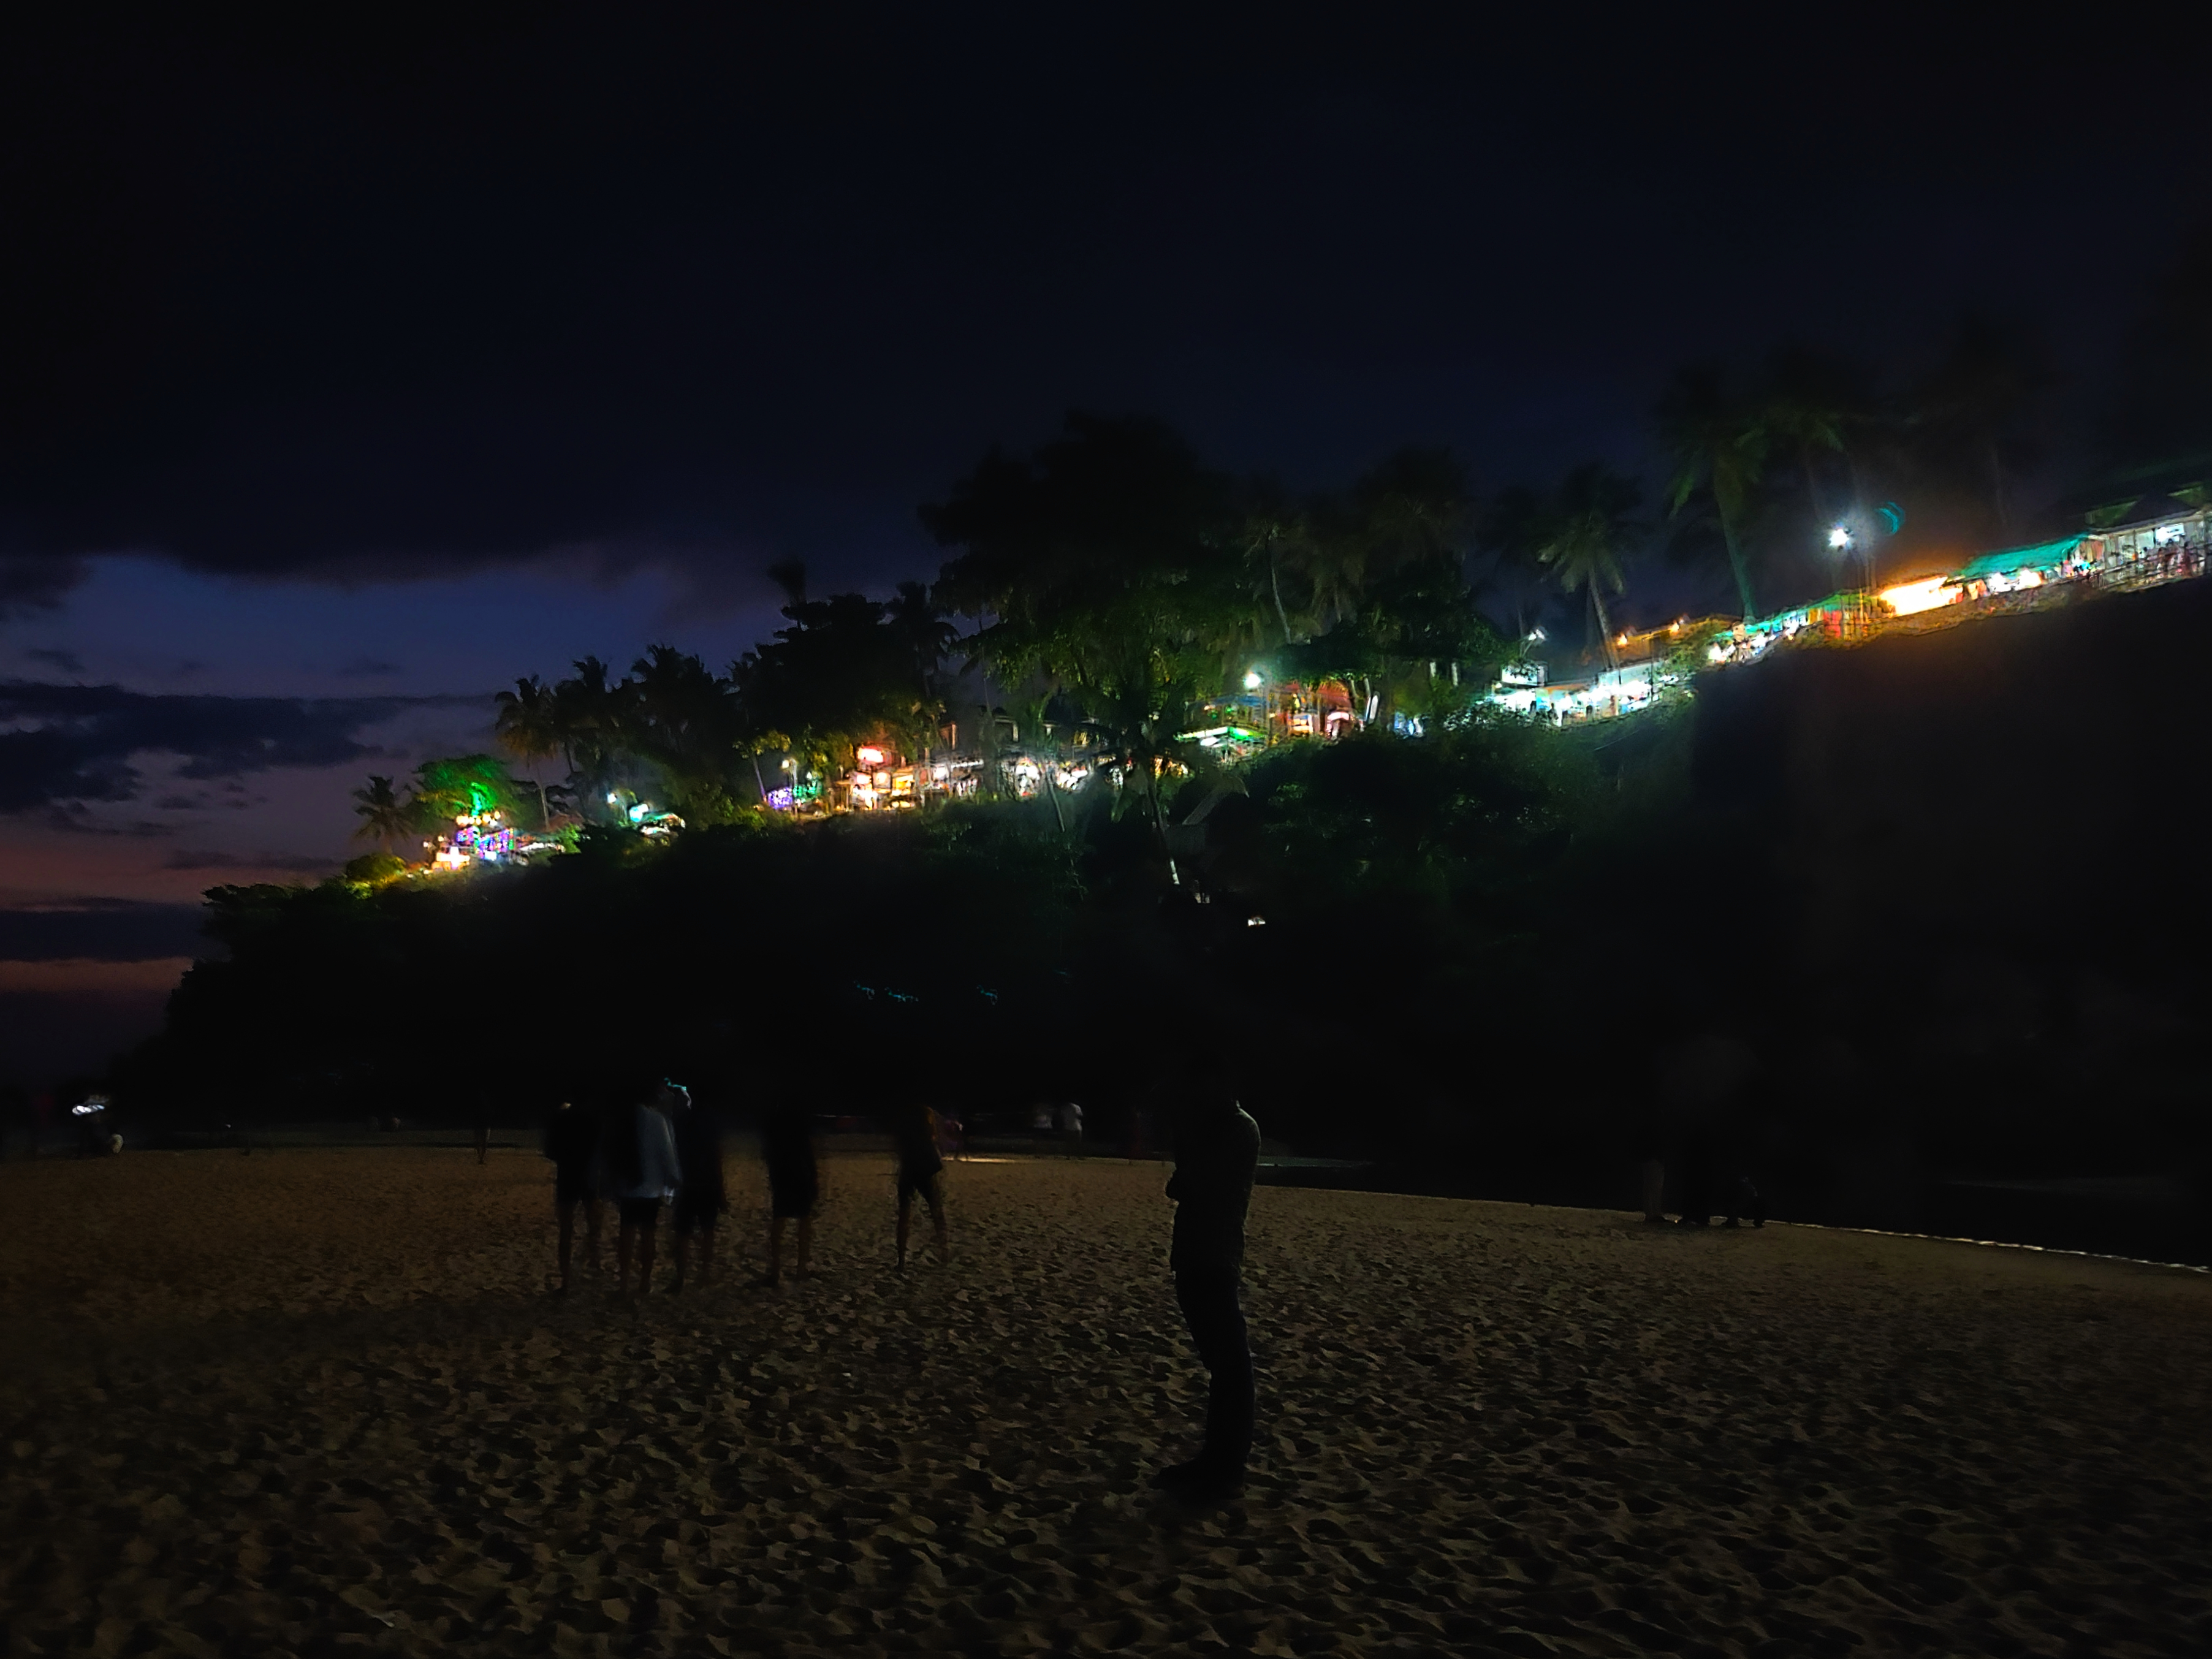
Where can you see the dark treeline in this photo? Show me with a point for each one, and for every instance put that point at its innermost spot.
(1112, 580)
(1861, 939)
(984, 955)
(1111, 583)
(1864, 922)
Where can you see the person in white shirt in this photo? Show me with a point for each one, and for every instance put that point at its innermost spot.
(640, 1172)
(1071, 1128)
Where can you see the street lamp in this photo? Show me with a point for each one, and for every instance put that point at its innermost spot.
(1254, 679)
(1842, 541)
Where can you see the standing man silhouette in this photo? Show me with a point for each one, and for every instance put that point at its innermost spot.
(1217, 1153)
(795, 1184)
(701, 1200)
(572, 1143)
(920, 1173)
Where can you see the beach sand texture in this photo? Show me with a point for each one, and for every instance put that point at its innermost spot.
(315, 1402)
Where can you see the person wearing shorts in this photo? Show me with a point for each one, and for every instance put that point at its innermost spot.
(794, 1186)
(920, 1172)
(700, 1198)
(572, 1142)
(639, 1166)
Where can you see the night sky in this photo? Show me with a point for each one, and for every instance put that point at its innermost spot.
(344, 378)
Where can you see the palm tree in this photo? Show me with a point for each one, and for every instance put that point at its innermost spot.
(1809, 408)
(1720, 451)
(1982, 402)
(925, 637)
(1278, 531)
(684, 719)
(1588, 534)
(588, 717)
(385, 818)
(529, 727)
(1514, 525)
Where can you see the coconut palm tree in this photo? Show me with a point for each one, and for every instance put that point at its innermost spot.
(588, 714)
(385, 818)
(1277, 539)
(1719, 452)
(1515, 524)
(1979, 409)
(1808, 411)
(528, 727)
(1587, 536)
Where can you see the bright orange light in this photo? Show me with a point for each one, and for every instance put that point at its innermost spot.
(1910, 599)
(871, 756)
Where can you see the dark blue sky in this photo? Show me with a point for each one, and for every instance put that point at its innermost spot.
(378, 368)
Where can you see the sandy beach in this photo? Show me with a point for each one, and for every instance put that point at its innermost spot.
(319, 1402)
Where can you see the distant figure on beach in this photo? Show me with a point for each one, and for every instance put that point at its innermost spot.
(1217, 1153)
(701, 1200)
(794, 1185)
(572, 1143)
(483, 1132)
(1653, 1170)
(638, 1159)
(1702, 1084)
(920, 1171)
(1651, 1167)
(1743, 1202)
(1697, 1179)
(1071, 1127)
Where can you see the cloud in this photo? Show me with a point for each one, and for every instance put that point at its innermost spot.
(210, 858)
(68, 661)
(64, 745)
(92, 977)
(36, 581)
(368, 667)
(102, 930)
(74, 817)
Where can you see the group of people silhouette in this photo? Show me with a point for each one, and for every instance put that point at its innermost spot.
(650, 1149)
(656, 1149)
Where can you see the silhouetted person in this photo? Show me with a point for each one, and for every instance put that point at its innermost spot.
(795, 1184)
(483, 1133)
(920, 1172)
(1651, 1167)
(1697, 1165)
(1217, 1152)
(1701, 1082)
(1743, 1202)
(572, 1142)
(638, 1157)
(700, 1198)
